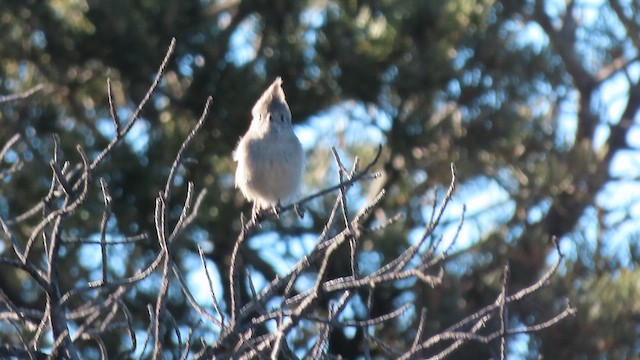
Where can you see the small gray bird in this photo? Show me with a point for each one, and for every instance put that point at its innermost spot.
(269, 156)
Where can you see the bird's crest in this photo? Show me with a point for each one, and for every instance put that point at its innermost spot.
(271, 99)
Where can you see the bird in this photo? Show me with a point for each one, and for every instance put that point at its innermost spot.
(269, 156)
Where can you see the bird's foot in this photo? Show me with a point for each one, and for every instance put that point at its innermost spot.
(299, 210)
(277, 209)
(256, 215)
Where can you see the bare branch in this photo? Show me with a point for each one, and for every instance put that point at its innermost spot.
(141, 105)
(21, 96)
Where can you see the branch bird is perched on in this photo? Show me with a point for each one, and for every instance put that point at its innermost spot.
(269, 156)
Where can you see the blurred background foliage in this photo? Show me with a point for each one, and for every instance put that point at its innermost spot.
(535, 102)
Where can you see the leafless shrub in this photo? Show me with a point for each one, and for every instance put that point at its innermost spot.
(69, 322)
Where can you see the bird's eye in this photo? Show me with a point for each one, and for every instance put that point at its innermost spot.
(282, 118)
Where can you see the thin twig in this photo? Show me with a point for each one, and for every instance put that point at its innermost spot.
(214, 299)
(141, 105)
(502, 313)
(22, 95)
(106, 215)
